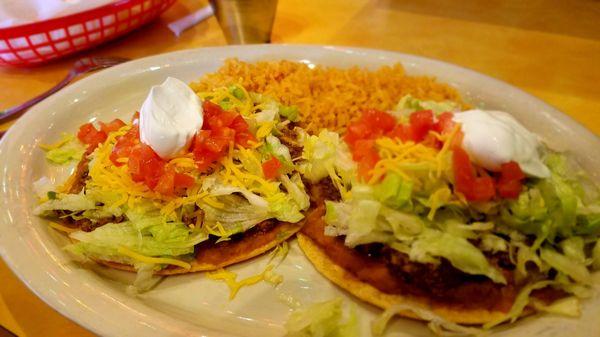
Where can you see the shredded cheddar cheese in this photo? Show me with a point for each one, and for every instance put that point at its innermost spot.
(230, 279)
(267, 275)
(64, 139)
(426, 167)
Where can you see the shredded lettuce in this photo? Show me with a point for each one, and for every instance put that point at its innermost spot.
(91, 204)
(236, 215)
(574, 248)
(65, 150)
(296, 190)
(291, 205)
(326, 155)
(145, 279)
(458, 251)
(148, 236)
(281, 152)
(393, 191)
(65, 154)
(409, 104)
(65, 202)
(241, 209)
(323, 319)
(567, 265)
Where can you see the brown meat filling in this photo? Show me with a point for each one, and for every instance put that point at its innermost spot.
(248, 241)
(392, 272)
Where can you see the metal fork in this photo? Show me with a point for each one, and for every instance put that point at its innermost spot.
(81, 66)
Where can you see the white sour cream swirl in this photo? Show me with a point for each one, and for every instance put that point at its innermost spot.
(170, 117)
(492, 138)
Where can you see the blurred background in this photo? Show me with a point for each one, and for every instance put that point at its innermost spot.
(549, 48)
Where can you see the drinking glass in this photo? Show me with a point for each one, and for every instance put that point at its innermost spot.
(245, 21)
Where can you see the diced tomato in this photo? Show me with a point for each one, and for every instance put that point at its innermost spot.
(444, 123)
(183, 181)
(511, 171)
(220, 129)
(483, 189)
(210, 110)
(367, 163)
(378, 121)
(464, 174)
(356, 131)
(145, 165)
(115, 125)
(366, 156)
(362, 148)
(172, 182)
(239, 124)
(220, 139)
(271, 168)
(244, 138)
(223, 119)
(204, 160)
(432, 141)
(125, 145)
(509, 184)
(89, 135)
(400, 131)
(134, 164)
(166, 183)
(420, 124)
(466, 182)
(372, 124)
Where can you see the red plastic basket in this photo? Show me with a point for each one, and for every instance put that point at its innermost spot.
(39, 42)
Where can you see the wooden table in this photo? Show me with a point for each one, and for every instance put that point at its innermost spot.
(550, 49)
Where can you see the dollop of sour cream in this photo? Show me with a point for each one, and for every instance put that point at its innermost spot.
(492, 138)
(170, 117)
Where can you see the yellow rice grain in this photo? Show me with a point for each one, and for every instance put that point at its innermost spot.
(327, 97)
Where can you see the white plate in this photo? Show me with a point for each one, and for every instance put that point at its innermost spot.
(192, 305)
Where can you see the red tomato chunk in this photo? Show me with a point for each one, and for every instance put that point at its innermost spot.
(88, 134)
(509, 184)
(220, 129)
(271, 168)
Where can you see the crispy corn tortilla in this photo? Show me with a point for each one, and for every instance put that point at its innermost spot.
(222, 254)
(212, 256)
(370, 294)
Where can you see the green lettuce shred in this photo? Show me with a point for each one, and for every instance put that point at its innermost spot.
(326, 155)
(409, 104)
(67, 149)
(147, 235)
(323, 319)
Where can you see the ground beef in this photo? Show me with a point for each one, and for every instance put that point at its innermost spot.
(289, 138)
(323, 190)
(79, 176)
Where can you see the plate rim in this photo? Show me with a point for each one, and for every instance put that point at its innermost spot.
(130, 67)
